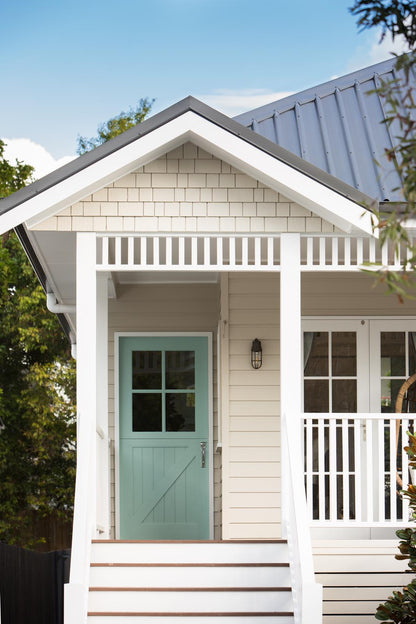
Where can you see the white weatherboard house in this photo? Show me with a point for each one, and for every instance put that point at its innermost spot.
(209, 490)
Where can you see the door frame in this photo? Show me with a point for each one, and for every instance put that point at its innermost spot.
(117, 336)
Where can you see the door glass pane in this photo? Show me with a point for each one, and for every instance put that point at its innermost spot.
(393, 362)
(315, 354)
(344, 354)
(147, 411)
(180, 370)
(180, 411)
(344, 395)
(147, 370)
(389, 391)
(412, 353)
(316, 393)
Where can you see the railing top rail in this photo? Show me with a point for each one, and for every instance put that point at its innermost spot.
(229, 235)
(357, 416)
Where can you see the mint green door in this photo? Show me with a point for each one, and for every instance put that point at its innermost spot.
(164, 454)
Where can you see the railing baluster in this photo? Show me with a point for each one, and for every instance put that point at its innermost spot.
(118, 250)
(333, 485)
(309, 466)
(335, 252)
(257, 252)
(105, 251)
(369, 490)
(232, 251)
(385, 254)
(347, 252)
(156, 257)
(322, 251)
(181, 252)
(309, 251)
(345, 470)
(393, 470)
(372, 250)
(405, 468)
(380, 470)
(359, 251)
(220, 252)
(244, 252)
(169, 259)
(321, 468)
(194, 251)
(270, 251)
(357, 466)
(143, 250)
(130, 251)
(207, 251)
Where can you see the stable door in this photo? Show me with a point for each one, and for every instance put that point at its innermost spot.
(164, 436)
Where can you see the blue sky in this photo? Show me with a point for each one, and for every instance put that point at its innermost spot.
(66, 66)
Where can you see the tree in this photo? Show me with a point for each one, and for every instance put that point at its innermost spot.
(398, 18)
(37, 375)
(116, 125)
(37, 384)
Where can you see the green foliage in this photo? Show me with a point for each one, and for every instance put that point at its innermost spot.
(37, 392)
(394, 16)
(12, 177)
(398, 18)
(116, 125)
(400, 608)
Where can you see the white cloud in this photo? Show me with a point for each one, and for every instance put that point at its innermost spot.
(376, 52)
(239, 101)
(31, 153)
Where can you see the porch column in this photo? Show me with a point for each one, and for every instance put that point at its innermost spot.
(290, 340)
(103, 513)
(76, 592)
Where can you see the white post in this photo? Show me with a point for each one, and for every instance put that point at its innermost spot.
(290, 341)
(102, 439)
(76, 592)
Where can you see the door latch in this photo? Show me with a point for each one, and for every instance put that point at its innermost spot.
(203, 453)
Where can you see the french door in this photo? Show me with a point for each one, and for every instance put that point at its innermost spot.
(352, 464)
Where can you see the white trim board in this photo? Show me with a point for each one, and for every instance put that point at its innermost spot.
(117, 336)
(276, 174)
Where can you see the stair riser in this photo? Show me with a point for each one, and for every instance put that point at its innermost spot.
(190, 620)
(114, 576)
(193, 601)
(189, 553)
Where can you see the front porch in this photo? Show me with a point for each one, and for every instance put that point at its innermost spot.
(239, 288)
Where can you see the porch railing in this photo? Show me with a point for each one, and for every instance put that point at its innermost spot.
(307, 594)
(255, 252)
(354, 468)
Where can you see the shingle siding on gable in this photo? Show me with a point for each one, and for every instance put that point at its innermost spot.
(187, 190)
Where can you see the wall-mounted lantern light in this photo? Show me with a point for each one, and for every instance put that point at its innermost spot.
(256, 354)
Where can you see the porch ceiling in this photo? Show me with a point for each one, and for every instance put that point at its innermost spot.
(58, 260)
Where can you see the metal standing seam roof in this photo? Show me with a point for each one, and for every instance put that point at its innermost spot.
(338, 126)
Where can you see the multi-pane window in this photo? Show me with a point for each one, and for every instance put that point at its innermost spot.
(163, 391)
(330, 371)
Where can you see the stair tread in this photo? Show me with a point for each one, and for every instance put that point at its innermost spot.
(192, 614)
(111, 541)
(190, 565)
(191, 589)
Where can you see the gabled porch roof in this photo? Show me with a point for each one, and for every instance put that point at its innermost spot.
(191, 120)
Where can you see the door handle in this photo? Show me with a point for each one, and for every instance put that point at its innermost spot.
(203, 453)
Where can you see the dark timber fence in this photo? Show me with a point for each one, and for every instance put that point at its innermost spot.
(32, 585)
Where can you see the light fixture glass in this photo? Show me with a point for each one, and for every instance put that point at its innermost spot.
(256, 354)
